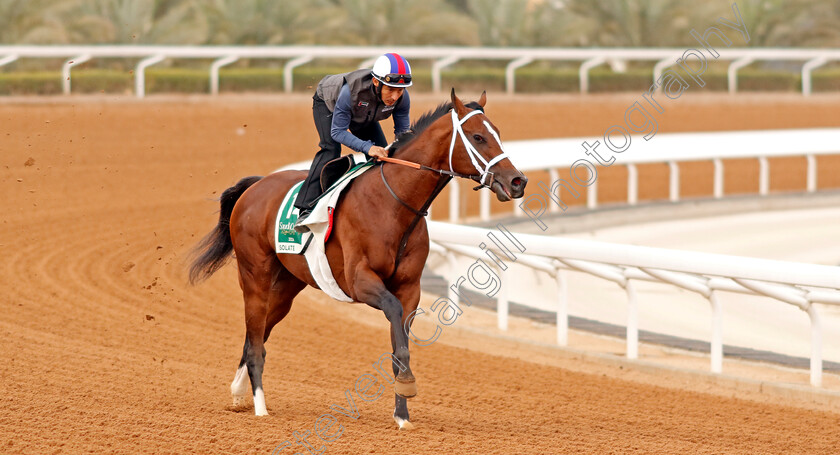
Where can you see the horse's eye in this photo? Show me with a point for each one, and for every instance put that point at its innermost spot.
(478, 138)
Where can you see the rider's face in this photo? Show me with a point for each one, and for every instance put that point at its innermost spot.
(390, 95)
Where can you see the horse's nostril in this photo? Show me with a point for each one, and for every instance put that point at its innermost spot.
(516, 182)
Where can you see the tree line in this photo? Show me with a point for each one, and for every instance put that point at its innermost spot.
(574, 23)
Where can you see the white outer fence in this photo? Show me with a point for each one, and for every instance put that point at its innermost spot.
(797, 284)
(442, 56)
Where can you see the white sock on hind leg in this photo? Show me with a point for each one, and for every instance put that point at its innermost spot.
(239, 386)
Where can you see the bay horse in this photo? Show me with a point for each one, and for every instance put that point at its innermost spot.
(372, 258)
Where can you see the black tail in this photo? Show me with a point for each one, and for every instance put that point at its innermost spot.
(214, 249)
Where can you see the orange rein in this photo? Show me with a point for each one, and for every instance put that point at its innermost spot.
(421, 167)
(401, 162)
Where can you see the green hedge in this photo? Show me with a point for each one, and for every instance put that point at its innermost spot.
(528, 80)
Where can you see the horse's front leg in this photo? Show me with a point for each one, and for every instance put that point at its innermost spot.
(409, 295)
(369, 289)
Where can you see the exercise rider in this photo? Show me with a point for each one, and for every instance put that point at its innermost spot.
(347, 109)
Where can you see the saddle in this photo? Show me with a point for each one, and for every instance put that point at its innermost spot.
(334, 169)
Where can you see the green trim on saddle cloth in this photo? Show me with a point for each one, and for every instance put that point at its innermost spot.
(287, 239)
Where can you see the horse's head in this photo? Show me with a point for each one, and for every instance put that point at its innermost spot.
(476, 150)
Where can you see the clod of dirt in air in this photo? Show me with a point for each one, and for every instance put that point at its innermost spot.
(19, 180)
(149, 317)
(159, 247)
(29, 162)
(127, 266)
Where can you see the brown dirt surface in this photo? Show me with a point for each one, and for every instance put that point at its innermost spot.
(104, 348)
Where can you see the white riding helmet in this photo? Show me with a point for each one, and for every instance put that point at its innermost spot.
(392, 70)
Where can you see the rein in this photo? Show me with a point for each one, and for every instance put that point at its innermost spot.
(418, 214)
(442, 172)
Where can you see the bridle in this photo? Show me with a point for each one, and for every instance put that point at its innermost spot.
(475, 157)
(445, 176)
(472, 153)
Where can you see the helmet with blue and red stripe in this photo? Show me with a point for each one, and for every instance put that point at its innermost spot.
(392, 70)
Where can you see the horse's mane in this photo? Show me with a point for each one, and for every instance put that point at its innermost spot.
(424, 122)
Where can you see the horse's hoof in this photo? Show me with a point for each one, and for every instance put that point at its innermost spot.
(238, 400)
(405, 389)
(260, 413)
(404, 424)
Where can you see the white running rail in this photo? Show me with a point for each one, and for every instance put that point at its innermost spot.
(441, 57)
(672, 148)
(797, 284)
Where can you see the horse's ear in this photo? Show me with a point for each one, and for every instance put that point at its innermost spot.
(460, 109)
(482, 100)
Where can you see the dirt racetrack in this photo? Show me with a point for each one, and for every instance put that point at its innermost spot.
(104, 348)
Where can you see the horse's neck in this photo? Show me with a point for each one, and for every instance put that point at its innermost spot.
(430, 149)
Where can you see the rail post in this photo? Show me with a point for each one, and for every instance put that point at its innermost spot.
(140, 74)
(674, 180)
(807, 68)
(214, 71)
(816, 346)
(763, 176)
(812, 173)
(632, 321)
(65, 71)
(716, 351)
(632, 184)
(718, 183)
(288, 70)
(562, 308)
(437, 66)
(732, 72)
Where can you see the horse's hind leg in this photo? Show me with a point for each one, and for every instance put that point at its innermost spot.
(239, 386)
(281, 292)
(255, 279)
(284, 288)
